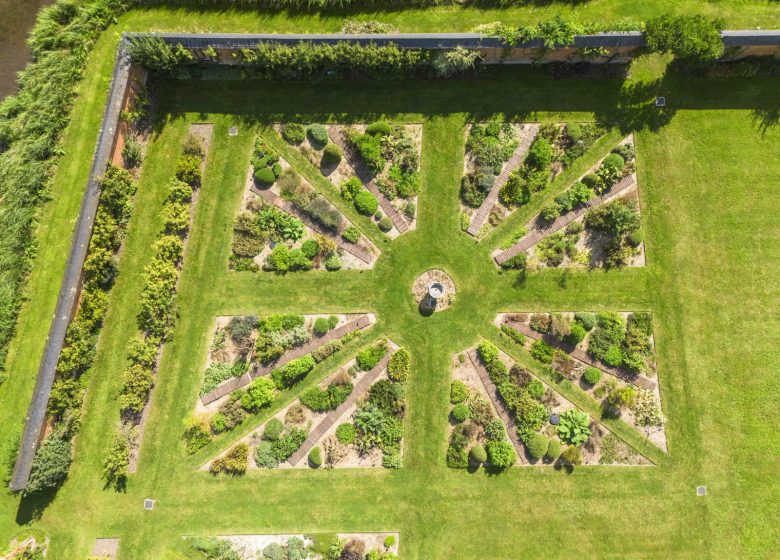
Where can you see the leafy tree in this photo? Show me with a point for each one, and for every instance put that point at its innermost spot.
(692, 39)
(116, 462)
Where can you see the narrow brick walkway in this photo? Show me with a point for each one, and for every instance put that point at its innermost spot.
(367, 178)
(535, 235)
(237, 382)
(479, 217)
(327, 423)
(498, 402)
(279, 202)
(582, 356)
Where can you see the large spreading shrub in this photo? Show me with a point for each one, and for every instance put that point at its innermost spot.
(50, 465)
(500, 453)
(366, 203)
(260, 393)
(692, 39)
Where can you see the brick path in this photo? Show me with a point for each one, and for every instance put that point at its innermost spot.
(367, 178)
(498, 402)
(258, 371)
(535, 235)
(582, 356)
(282, 204)
(327, 423)
(479, 217)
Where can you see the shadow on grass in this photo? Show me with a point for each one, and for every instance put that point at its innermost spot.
(32, 506)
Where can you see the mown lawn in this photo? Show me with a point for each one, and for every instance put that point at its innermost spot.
(708, 173)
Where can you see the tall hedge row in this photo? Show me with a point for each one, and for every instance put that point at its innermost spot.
(31, 123)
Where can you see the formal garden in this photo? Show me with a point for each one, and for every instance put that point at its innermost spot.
(292, 319)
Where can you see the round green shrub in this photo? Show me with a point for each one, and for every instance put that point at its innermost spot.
(379, 127)
(478, 454)
(366, 203)
(576, 334)
(318, 134)
(461, 412)
(331, 155)
(537, 446)
(321, 326)
(458, 392)
(553, 449)
(613, 161)
(273, 429)
(535, 389)
(351, 234)
(310, 248)
(593, 181)
(592, 376)
(346, 433)
(315, 458)
(385, 224)
(277, 169)
(294, 133)
(333, 262)
(389, 541)
(265, 176)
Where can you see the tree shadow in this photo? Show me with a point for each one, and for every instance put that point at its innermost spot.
(32, 506)
(636, 108)
(764, 119)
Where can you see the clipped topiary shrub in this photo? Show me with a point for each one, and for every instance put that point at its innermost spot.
(478, 454)
(321, 326)
(366, 203)
(460, 412)
(592, 376)
(331, 155)
(265, 176)
(537, 446)
(315, 458)
(333, 262)
(385, 224)
(318, 134)
(553, 449)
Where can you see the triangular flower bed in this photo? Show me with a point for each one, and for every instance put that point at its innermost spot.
(244, 348)
(608, 355)
(506, 163)
(286, 225)
(384, 158)
(594, 223)
(542, 426)
(354, 418)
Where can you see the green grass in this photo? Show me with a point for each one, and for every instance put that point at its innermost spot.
(708, 173)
